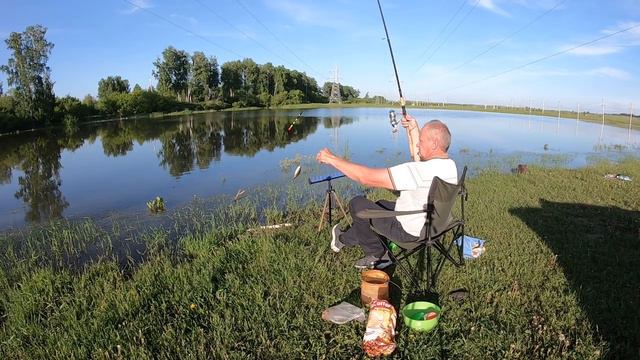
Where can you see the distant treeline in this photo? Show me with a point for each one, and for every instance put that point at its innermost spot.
(184, 82)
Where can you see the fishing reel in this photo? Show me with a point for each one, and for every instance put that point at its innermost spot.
(393, 121)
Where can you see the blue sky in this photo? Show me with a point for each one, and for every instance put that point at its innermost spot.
(96, 39)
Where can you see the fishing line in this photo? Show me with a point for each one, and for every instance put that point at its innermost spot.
(395, 69)
(393, 60)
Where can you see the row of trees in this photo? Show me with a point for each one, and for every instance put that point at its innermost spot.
(184, 81)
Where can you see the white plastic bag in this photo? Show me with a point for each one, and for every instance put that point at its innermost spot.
(343, 313)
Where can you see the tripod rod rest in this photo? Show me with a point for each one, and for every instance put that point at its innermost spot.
(317, 179)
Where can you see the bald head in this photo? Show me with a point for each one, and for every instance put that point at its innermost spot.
(437, 131)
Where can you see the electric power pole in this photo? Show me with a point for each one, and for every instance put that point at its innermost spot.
(335, 96)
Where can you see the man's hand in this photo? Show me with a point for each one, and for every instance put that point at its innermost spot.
(325, 156)
(409, 122)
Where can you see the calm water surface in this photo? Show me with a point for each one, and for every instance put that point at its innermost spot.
(116, 167)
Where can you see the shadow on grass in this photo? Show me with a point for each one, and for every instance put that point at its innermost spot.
(598, 250)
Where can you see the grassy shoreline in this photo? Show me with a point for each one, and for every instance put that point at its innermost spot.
(558, 281)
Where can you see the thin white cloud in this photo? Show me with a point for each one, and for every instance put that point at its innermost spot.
(136, 5)
(491, 6)
(624, 25)
(538, 4)
(614, 44)
(596, 50)
(611, 72)
(628, 38)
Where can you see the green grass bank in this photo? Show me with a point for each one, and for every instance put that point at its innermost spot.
(559, 280)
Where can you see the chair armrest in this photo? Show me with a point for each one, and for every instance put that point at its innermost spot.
(378, 214)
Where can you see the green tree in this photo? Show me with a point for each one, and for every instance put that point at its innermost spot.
(347, 93)
(7, 113)
(250, 80)
(231, 76)
(70, 106)
(265, 84)
(214, 78)
(28, 74)
(89, 101)
(280, 80)
(172, 72)
(204, 79)
(112, 85)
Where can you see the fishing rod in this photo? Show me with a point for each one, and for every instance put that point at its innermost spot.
(395, 69)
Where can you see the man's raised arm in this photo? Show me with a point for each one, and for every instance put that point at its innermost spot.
(413, 130)
(367, 176)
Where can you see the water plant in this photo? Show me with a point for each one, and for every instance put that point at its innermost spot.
(156, 205)
(286, 163)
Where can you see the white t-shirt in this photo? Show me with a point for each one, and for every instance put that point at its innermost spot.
(413, 179)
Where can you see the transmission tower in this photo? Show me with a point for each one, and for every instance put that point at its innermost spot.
(335, 89)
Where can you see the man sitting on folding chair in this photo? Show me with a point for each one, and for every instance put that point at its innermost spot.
(413, 179)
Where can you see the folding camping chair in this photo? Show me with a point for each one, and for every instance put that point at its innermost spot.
(441, 232)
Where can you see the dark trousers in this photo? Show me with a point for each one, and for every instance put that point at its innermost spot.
(361, 234)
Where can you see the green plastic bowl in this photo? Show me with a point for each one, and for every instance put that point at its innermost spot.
(413, 315)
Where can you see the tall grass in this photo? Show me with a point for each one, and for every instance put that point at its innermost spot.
(559, 280)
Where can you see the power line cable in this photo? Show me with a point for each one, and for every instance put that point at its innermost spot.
(493, 46)
(443, 29)
(544, 58)
(242, 32)
(183, 28)
(276, 37)
(449, 35)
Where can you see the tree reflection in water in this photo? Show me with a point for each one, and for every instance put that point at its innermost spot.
(39, 186)
(192, 141)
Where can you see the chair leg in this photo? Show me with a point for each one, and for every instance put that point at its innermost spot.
(410, 273)
(445, 252)
(430, 275)
(406, 269)
(461, 246)
(424, 277)
(420, 266)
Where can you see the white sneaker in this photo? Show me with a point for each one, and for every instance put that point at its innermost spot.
(336, 244)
